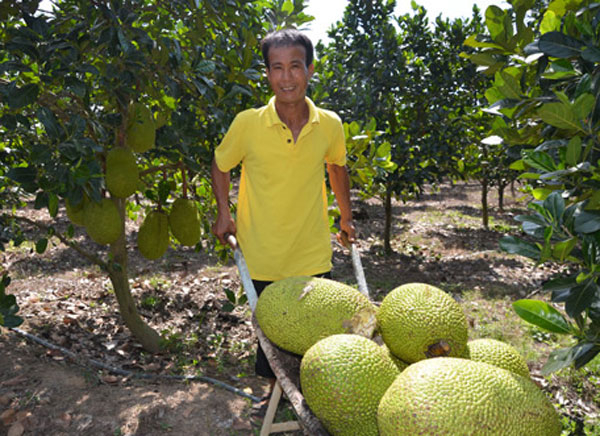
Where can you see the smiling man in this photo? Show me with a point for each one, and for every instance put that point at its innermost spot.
(282, 222)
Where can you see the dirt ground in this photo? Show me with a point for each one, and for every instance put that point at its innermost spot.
(69, 303)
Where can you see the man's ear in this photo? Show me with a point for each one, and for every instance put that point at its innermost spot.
(311, 70)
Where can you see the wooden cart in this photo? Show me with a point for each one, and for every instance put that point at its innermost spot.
(284, 364)
(286, 367)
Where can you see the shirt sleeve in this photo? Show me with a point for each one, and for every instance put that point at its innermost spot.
(336, 154)
(230, 152)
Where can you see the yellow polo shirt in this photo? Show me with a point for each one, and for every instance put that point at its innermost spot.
(282, 224)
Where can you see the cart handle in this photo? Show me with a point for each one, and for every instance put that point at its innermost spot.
(243, 271)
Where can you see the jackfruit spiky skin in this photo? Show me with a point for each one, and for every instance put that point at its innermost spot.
(343, 378)
(75, 211)
(400, 364)
(184, 222)
(497, 353)
(141, 131)
(102, 221)
(296, 312)
(153, 235)
(460, 397)
(122, 174)
(418, 321)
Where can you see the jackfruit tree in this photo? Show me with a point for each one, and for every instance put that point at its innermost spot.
(544, 59)
(114, 107)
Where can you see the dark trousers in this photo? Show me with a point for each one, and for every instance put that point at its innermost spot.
(262, 367)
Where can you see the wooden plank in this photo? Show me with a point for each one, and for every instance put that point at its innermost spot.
(286, 367)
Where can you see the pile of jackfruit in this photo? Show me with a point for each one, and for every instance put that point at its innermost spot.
(102, 220)
(405, 367)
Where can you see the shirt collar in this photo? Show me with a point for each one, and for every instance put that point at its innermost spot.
(273, 117)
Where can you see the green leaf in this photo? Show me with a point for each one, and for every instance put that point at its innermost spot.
(41, 245)
(288, 7)
(22, 175)
(513, 245)
(562, 249)
(550, 22)
(583, 105)
(580, 298)
(494, 20)
(587, 222)
(540, 161)
(53, 204)
(205, 67)
(50, 122)
(541, 193)
(559, 45)
(543, 315)
(559, 115)
(573, 151)
(517, 165)
(555, 206)
(558, 359)
(508, 85)
(20, 97)
(591, 54)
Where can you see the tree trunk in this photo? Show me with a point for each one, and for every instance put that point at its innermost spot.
(117, 272)
(501, 187)
(484, 203)
(388, 222)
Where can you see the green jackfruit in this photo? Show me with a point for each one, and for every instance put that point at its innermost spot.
(75, 211)
(141, 131)
(497, 353)
(343, 378)
(400, 364)
(296, 312)
(102, 221)
(122, 174)
(460, 397)
(184, 222)
(153, 236)
(418, 321)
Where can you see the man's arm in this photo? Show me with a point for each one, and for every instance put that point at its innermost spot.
(340, 183)
(220, 186)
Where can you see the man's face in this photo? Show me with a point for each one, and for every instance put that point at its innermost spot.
(288, 74)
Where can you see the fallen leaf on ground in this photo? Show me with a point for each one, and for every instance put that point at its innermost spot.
(17, 429)
(111, 379)
(8, 416)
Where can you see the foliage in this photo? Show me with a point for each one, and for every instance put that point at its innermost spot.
(67, 79)
(8, 306)
(544, 60)
(412, 81)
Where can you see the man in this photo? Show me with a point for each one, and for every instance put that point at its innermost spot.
(282, 225)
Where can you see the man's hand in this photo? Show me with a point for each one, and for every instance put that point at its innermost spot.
(224, 225)
(347, 235)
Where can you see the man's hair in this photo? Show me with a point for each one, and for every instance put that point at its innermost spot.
(287, 38)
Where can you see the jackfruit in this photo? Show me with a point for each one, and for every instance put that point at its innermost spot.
(418, 321)
(122, 174)
(140, 133)
(102, 221)
(75, 211)
(296, 312)
(153, 235)
(400, 364)
(343, 378)
(497, 353)
(460, 397)
(184, 222)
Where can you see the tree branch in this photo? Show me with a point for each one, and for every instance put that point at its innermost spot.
(89, 256)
